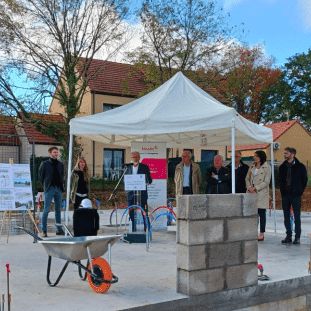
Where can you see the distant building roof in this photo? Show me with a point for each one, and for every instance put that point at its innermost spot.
(278, 130)
(122, 79)
(115, 79)
(8, 134)
(37, 137)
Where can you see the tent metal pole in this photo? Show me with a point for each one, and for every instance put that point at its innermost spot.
(68, 178)
(273, 185)
(233, 157)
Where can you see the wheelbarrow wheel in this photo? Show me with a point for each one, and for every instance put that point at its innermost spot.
(103, 271)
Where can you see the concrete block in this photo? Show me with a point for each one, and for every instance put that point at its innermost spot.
(242, 275)
(292, 304)
(241, 229)
(197, 207)
(224, 205)
(249, 204)
(250, 251)
(200, 232)
(182, 231)
(191, 257)
(192, 207)
(219, 255)
(182, 206)
(200, 282)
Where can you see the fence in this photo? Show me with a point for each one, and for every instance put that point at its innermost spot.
(16, 149)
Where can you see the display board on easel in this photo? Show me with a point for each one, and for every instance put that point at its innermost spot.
(15, 192)
(15, 187)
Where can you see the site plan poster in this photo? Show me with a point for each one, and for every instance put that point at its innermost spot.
(154, 155)
(15, 187)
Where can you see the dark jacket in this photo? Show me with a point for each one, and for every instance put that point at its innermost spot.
(220, 186)
(299, 178)
(85, 222)
(46, 174)
(240, 174)
(142, 169)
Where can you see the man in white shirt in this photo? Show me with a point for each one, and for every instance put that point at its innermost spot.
(132, 198)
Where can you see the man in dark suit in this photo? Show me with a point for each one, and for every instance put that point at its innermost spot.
(241, 170)
(138, 197)
(293, 181)
(218, 179)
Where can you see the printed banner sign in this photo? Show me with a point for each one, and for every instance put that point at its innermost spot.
(154, 155)
(15, 187)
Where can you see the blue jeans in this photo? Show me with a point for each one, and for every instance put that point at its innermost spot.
(56, 193)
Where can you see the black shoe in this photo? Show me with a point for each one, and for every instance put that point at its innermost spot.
(44, 234)
(296, 241)
(287, 240)
(60, 232)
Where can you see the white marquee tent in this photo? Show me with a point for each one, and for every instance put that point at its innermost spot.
(178, 113)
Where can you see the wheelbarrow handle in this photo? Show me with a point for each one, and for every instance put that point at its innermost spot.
(35, 236)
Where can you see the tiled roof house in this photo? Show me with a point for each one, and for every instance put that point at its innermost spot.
(288, 133)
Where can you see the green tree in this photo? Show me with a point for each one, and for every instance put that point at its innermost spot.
(178, 35)
(291, 98)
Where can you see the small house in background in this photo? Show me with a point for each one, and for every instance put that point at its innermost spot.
(34, 141)
(10, 143)
(289, 133)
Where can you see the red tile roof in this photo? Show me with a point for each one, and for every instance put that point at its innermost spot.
(278, 130)
(8, 134)
(115, 79)
(124, 80)
(34, 135)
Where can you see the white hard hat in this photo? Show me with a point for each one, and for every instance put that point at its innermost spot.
(86, 203)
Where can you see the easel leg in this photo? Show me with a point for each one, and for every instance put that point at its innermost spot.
(2, 221)
(9, 227)
(33, 220)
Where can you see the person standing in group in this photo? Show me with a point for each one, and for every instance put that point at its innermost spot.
(187, 175)
(241, 170)
(218, 179)
(293, 180)
(51, 175)
(80, 183)
(141, 197)
(257, 182)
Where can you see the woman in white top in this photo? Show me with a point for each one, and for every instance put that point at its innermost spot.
(257, 182)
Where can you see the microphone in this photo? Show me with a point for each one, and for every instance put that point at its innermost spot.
(125, 167)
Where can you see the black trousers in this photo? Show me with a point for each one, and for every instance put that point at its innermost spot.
(294, 201)
(132, 214)
(262, 219)
(186, 190)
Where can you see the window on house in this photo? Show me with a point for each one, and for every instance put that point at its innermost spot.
(107, 107)
(113, 163)
(207, 156)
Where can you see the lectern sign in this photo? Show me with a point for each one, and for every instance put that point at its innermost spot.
(134, 182)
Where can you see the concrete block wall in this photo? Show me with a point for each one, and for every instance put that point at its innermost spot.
(216, 243)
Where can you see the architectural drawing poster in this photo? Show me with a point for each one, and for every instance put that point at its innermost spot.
(15, 187)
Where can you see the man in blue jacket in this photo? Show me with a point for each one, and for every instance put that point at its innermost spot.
(293, 181)
(51, 174)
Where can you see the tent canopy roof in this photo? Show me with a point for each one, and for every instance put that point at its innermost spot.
(178, 113)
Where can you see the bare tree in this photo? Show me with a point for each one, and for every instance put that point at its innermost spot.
(183, 35)
(53, 43)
